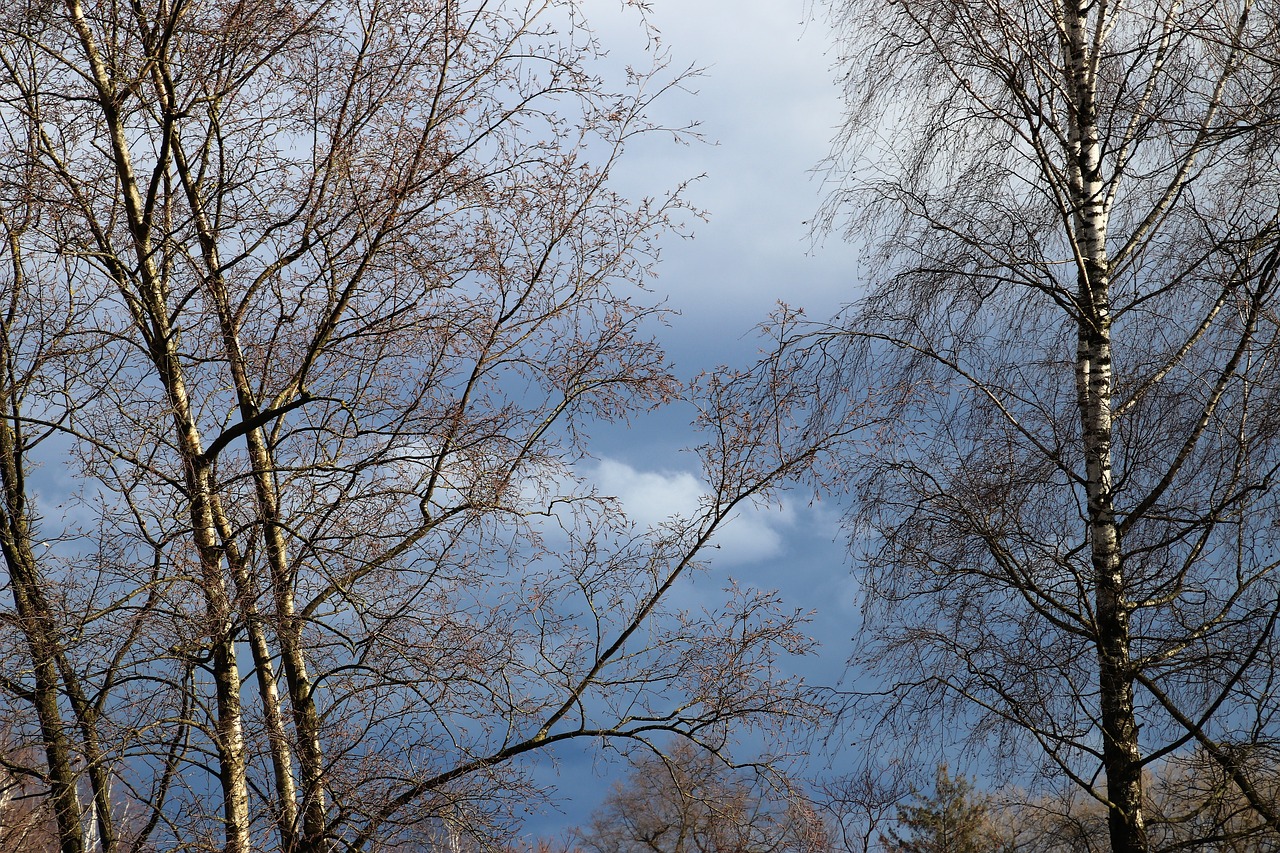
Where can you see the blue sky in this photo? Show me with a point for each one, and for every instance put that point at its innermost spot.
(768, 106)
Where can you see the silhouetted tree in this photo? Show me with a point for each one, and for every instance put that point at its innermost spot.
(690, 801)
(951, 819)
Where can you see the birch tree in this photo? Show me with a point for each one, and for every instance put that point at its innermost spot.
(316, 303)
(1068, 546)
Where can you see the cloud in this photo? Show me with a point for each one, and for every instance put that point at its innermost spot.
(649, 497)
(652, 497)
(768, 108)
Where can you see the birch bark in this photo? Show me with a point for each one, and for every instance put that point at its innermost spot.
(147, 294)
(1122, 755)
(1068, 319)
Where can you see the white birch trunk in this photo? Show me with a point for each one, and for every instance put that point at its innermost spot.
(1094, 386)
(151, 315)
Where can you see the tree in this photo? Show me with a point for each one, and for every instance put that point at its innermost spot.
(950, 820)
(1062, 821)
(1199, 808)
(1192, 804)
(690, 802)
(26, 819)
(314, 303)
(1068, 543)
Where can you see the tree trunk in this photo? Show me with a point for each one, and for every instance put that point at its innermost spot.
(1094, 383)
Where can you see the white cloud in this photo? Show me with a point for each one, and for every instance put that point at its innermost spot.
(652, 497)
(649, 497)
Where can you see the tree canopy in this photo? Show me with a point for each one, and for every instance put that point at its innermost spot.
(1067, 544)
(314, 304)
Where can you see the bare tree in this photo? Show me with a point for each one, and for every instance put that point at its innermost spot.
(321, 299)
(1192, 803)
(1068, 543)
(687, 801)
(1198, 806)
(27, 814)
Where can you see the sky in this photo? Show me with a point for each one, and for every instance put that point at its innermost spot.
(767, 107)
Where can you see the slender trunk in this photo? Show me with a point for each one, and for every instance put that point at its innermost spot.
(232, 766)
(232, 769)
(51, 667)
(306, 716)
(149, 302)
(36, 622)
(33, 616)
(277, 739)
(286, 794)
(1122, 758)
